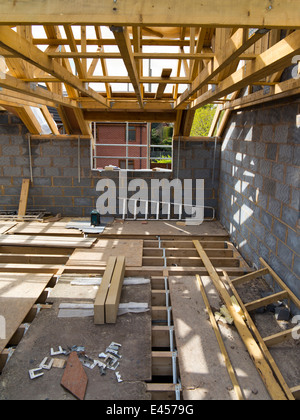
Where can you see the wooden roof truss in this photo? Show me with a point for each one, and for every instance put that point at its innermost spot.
(64, 58)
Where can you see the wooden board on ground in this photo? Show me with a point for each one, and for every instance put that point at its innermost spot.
(202, 370)
(49, 228)
(42, 241)
(18, 293)
(105, 248)
(133, 331)
(5, 227)
(114, 293)
(99, 304)
(160, 228)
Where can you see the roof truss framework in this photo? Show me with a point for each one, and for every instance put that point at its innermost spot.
(63, 55)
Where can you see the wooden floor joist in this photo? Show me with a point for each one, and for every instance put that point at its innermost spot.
(270, 381)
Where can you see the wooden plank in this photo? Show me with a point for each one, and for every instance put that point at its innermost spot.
(259, 303)
(18, 293)
(114, 294)
(296, 392)
(4, 228)
(278, 338)
(100, 256)
(99, 304)
(214, 324)
(257, 13)
(275, 276)
(166, 73)
(45, 241)
(254, 350)
(24, 197)
(251, 276)
(123, 41)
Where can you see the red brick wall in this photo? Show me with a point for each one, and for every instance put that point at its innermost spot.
(116, 134)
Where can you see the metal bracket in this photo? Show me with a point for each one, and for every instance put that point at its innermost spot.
(45, 365)
(33, 373)
(57, 353)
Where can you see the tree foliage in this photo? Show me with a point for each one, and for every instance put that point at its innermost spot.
(202, 121)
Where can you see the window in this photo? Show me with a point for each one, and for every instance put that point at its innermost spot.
(132, 133)
(122, 164)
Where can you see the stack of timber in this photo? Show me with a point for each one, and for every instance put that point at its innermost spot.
(108, 298)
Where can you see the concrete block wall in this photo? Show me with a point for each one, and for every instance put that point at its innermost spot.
(56, 186)
(199, 160)
(259, 191)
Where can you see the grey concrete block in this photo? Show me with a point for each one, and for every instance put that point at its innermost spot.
(51, 171)
(293, 176)
(271, 152)
(266, 219)
(63, 201)
(278, 171)
(269, 187)
(267, 133)
(46, 182)
(41, 161)
(290, 216)
(4, 161)
(295, 200)
(10, 150)
(285, 154)
(274, 207)
(281, 133)
(279, 230)
(285, 254)
(283, 193)
(10, 130)
(48, 150)
(12, 171)
(53, 191)
(294, 135)
(297, 268)
(271, 241)
(43, 201)
(72, 192)
(84, 201)
(62, 182)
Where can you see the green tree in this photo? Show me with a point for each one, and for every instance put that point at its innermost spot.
(202, 121)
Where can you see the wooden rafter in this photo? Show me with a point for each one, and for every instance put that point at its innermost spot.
(25, 50)
(122, 38)
(276, 57)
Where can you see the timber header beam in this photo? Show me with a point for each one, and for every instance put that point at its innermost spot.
(222, 13)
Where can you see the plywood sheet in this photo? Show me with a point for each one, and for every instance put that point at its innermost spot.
(45, 241)
(105, 248)
(133, 331)
(5, 227)
(202, 369)
(18, 293)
